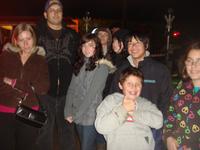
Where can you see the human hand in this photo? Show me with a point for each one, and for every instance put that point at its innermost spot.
(69, 119)
(129, 104)
(172, 143)
(7, 80)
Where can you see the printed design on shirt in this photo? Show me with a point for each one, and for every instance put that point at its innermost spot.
(184, 115)
(182, 92)
(129, 118)
(188, 97)
(149, 81)
(196, 99)
(185, 110)
(195, 128)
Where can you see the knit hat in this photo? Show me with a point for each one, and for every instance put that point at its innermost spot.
(52, 2)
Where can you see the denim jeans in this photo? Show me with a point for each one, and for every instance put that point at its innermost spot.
(65, 132)
(87, 136)
(159, 144)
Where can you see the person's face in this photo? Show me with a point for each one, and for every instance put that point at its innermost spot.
(136, 49)
(103, 36)
(88, 49)
(25, 41)
(117, 46)
(192, 64)
(131, 87)
(54, 15)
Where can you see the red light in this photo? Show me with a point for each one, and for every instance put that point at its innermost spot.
(176, 34)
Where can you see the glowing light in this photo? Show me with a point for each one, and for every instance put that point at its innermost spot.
(176, 34)
(7, 27)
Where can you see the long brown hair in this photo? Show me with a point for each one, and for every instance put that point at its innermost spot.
(81, 58)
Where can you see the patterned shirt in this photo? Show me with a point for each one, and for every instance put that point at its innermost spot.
(183, 116)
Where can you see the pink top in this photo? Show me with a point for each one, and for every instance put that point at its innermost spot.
(6, 109)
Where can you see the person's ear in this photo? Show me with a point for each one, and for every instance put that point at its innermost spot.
(120, 86)
(45, 15)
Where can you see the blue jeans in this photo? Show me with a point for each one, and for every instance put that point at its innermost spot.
(65, 132)
(159, 144)
(87, 136)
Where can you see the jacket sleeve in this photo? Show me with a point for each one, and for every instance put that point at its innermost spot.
(148, 114)
(69, 98)
(166, 91)
(109, 116)
(115, 79)
(114, 82)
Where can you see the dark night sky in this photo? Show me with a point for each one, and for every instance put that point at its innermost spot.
(187, 16)
(142, 10)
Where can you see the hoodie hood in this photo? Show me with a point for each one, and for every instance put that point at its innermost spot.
(10, 47)
(108, 63)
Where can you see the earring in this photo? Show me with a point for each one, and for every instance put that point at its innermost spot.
(147, 53)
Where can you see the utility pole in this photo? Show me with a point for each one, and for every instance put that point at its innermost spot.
(169, 19)
(87, 19)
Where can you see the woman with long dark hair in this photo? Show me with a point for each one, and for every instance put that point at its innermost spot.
(85, 90)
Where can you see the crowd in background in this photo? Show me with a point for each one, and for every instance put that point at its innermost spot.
(101, 90)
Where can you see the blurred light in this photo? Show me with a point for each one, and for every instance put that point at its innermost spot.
(94, 30)
(7, 27)
(176, 34)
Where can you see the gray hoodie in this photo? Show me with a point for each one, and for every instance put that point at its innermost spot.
(124, 131)
(85, 93)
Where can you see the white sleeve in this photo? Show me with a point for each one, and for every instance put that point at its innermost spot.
(109, 116)
(149, 115)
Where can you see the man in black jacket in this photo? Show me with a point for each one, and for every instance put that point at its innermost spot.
(60, 44)
(157, 80)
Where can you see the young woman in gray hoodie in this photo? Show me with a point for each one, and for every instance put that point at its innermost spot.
(85, 90)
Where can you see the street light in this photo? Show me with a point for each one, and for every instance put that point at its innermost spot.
(169, 19)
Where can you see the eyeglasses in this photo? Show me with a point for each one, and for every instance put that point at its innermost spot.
(190, 62)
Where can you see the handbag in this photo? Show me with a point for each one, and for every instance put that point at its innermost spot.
(30, 116)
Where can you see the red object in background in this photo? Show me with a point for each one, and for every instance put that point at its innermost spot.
(176, 34)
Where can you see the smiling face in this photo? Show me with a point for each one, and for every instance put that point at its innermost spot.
(25, 41)
(88, 48)
(131, 86)
(117, 46)
(192, 64)
(136, 49)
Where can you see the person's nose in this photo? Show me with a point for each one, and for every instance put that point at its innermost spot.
(25, 43)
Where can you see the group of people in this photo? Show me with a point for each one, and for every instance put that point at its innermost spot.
(102, 89)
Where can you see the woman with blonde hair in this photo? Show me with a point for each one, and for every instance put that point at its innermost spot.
(22, 64)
